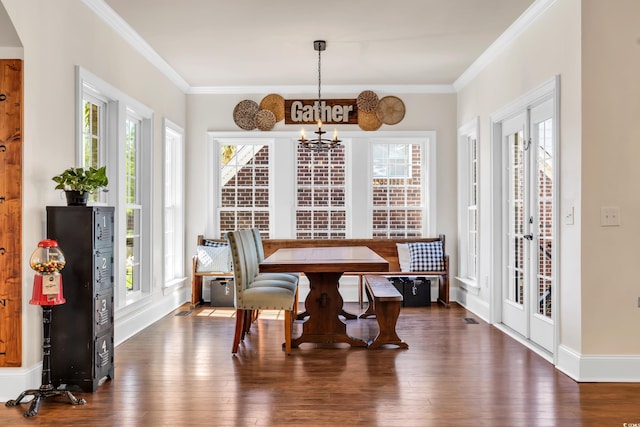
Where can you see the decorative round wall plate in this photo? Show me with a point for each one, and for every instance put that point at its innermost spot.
(367, 101)
(368, 121)
(274, 103)
(245, 114)
(390, 110)
(265, 120)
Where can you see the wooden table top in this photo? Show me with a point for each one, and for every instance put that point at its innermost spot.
(324, 259)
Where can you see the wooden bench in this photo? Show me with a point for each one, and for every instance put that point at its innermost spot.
(197, 277)
(386, 248)
(386, 301)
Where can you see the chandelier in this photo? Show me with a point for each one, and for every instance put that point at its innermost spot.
(319, 143)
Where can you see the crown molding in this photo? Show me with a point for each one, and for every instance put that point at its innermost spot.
(335, 89)
(111, 18)
(124, 30)
(520, 25)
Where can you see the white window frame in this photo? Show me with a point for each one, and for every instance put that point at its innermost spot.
(217, 185)
(426, 181)
(118, 106)
(468, 256)
(90, 95)
(358, 176)
(329, 207)
(173, 206)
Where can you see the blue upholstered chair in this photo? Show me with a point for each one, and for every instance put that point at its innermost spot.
(251, 295)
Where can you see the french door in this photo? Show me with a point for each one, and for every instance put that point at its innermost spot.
(529, 224)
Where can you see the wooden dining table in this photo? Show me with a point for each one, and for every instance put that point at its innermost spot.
(324, 266)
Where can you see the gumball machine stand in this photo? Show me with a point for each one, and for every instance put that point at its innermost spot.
(47, 261)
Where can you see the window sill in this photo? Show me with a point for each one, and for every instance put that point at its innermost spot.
(133, 304)
(173, 285)
(469, 285)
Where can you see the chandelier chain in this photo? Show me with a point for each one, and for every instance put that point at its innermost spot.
(319, 76)
(319, 143)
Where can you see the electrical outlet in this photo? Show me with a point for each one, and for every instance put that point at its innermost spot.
(610, 216)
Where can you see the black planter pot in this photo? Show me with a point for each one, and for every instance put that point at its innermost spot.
(76, 198)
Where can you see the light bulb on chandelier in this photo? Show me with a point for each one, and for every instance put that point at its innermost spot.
(319, 143)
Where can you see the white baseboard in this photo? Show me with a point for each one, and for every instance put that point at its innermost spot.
(127, 326)
(472, 302)
(599, 367)
(14, 381)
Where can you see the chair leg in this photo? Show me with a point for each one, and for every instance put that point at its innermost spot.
(248, 320)
(288, 330)
(239, 330)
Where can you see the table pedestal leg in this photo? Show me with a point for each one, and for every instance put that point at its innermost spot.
(323, 306)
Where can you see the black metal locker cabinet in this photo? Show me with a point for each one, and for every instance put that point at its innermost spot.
(82, 328)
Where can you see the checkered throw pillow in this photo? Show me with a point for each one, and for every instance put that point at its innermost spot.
(426, 256)
(215, 243)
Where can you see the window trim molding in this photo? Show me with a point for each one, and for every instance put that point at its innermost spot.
(549, 89)
(428, 164)
(175, 282)
(353, 141)
(118, 103)
(469, 130)
(214, 175)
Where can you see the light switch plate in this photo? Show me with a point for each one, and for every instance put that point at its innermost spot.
(569, 216)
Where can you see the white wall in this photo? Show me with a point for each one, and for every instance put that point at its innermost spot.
(610, 153)
(550, 46)
(57, 36)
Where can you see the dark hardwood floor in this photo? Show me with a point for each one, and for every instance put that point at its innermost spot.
(180, 372)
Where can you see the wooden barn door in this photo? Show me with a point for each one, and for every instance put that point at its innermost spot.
(10, 213)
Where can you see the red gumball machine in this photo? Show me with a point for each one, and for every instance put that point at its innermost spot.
(47, 261)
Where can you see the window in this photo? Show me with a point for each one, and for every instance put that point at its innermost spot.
(132, 202)
(397, 189)
(115, 131)
(321, 199)
(468, 202)
(269, 182)
(244, 182)
(174, 251)
(94, 120)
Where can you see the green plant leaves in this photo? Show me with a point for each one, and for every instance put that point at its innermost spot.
(81, 179)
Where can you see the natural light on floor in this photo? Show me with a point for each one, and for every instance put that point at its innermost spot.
(231, 312)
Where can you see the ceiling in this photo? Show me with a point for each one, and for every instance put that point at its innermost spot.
(236, 43)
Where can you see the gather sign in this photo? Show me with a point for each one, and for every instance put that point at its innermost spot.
(329, 111)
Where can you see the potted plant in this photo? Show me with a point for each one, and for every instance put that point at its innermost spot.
(78, 183)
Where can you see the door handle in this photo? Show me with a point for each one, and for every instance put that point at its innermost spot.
(528, 236)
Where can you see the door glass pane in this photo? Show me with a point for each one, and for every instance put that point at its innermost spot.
(516, 219)
(544, 196)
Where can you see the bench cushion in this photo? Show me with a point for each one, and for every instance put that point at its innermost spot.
(426, 256)
(213, 259)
